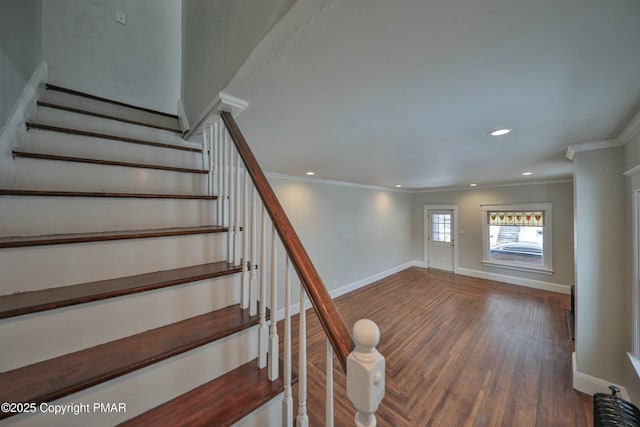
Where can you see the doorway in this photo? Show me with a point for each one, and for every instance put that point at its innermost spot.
(439, 234)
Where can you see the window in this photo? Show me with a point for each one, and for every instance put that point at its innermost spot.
(518, 236)
(441, 227)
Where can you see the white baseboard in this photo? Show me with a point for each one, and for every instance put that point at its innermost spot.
(519, 281)
(14, 127)
(295, 308)
(592, 385)
(368, 280)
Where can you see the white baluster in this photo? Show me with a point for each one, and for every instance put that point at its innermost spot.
(273, 333)
(253, 309)
(233, 202)
(262, 330)
(245, 241)
(328, 410)
(219, 161)
(302, 420)
(365, 373)
(225, 192)
(211, 163)
(287, 402)
(236, 212)
(229, 185)
(205, 152)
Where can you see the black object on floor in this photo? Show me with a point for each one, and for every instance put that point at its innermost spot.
(611, 411)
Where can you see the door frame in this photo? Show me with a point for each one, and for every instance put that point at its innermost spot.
(426, 232)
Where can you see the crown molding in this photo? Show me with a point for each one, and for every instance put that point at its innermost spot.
(631, 129)
(496, 185)
(595, 145)
(331, 182)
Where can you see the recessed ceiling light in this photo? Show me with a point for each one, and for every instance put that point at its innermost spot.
(398, 185)
(499, 132)
(473, 185)
(311, 173)
(527, 173)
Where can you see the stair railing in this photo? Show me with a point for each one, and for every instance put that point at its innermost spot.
(244, 194)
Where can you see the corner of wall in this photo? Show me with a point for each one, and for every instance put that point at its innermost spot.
(591, 385)
(13, 130)
(182, 117)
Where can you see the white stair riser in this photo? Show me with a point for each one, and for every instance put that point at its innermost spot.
(38, 174)
(268, 415)
(43, 267)
(41, 336)
(60, 118)
(32, 216)
(83, 103)
(41, 141)
(149, 387)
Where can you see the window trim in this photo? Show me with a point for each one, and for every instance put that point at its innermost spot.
(547, 257)
(633, 175)
(635, 288)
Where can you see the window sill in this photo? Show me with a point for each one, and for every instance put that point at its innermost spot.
(530, 269)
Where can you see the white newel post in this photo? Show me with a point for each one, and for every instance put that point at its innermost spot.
(365, 373)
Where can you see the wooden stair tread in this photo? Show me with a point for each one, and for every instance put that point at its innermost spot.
(101, 236)
(54, 378)
(220, 402)
(43, 156)
(48, 299)
(40, 126)
(110, 101)
(56, 193)
(105, 116)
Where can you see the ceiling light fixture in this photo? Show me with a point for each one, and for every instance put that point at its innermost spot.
(499, 132)
(398, 185)
(311, 173)
(527, 173)
(473, 185)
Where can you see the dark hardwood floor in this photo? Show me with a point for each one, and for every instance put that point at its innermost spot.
(459, 352)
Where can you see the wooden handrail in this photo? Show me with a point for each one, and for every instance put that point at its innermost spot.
(334, 326)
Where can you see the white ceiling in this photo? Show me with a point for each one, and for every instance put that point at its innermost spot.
(386, 92)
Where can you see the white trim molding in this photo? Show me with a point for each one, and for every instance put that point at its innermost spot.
(631, 129)
(335, 293)
(634, 175)
(519, 281)
(595, 145)
(222, 102)
(314, 180)
(592, 385)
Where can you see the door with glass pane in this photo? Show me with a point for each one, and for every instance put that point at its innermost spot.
(441, 239)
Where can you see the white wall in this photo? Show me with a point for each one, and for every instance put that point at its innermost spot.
(350, 233)
(20, 49)
(20, 57)
(137, 63)
(469, 202)
(218, 36)
(601, 263)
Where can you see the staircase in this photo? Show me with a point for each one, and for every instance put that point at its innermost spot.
(119, 288)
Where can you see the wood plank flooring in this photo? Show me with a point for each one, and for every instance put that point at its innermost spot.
(459, 352)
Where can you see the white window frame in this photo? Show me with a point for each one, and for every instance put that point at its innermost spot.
(634, 175)
(547, 253)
